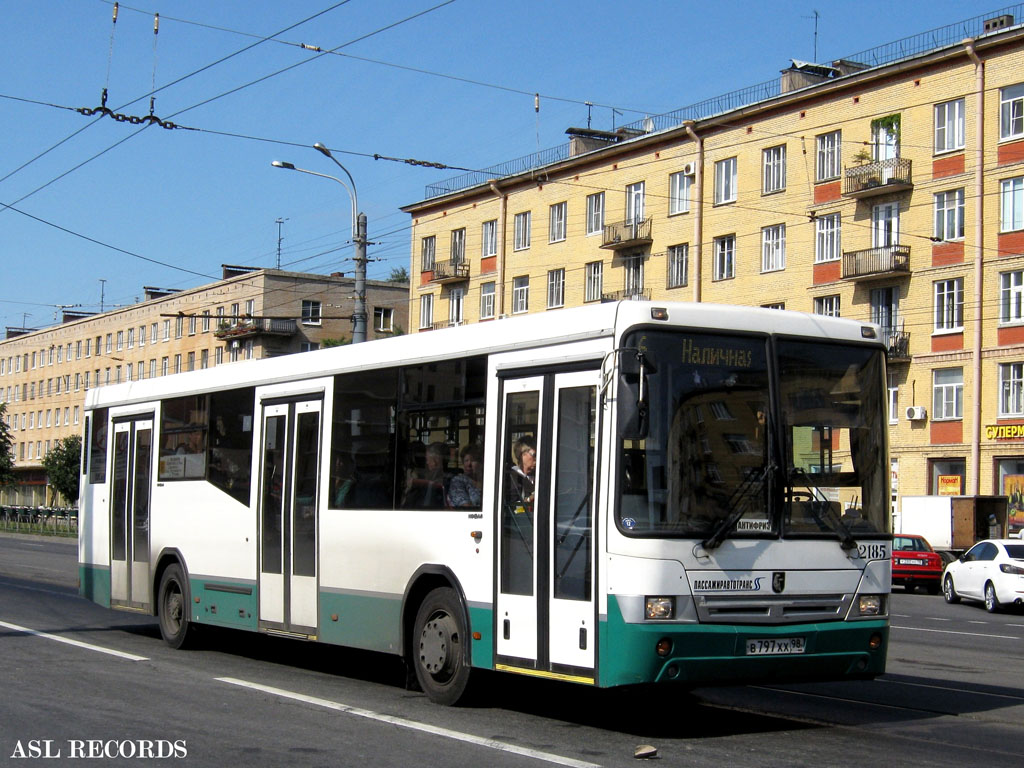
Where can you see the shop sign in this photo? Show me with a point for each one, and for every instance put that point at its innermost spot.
(949, 485)
(1004, 431)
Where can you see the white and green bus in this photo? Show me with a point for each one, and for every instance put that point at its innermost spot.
(619, 494)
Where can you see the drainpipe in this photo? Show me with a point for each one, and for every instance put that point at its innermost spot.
(974, 477)
(493, 184)
(698, 214)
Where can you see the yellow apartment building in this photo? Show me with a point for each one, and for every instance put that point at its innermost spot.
(251, 313)
(886, 187)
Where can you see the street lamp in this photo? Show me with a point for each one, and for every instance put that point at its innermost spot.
(358, 237)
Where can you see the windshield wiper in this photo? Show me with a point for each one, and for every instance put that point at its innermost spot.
(738, 508)
(829, 519)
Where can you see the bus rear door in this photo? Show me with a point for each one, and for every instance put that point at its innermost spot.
(129, 512)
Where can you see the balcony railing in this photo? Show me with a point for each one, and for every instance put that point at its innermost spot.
(630, 294)
(897, 344)
(879, 178)
(627, 234)
(256, 326)
(450, 272)
(437, 325)
(876, 262)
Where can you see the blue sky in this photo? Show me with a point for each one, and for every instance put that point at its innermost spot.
(166, 208)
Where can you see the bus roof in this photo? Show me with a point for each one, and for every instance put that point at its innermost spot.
(532, 330)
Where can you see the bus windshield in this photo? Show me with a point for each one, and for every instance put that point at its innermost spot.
(729, 453)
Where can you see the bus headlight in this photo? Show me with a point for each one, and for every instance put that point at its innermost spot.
(869, 605)
(659, 608)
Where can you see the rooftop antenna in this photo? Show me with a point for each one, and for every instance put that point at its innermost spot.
(589, 105)
(279, 221)
(816, 16)
(103, 291)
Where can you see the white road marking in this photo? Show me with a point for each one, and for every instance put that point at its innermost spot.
(951, 632)
(411, 724)
(76, 643)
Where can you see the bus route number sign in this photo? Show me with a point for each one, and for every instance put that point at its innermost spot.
(774, 646)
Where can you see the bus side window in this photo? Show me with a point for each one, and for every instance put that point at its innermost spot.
(98, 447)
(229, 464)
(362, 474)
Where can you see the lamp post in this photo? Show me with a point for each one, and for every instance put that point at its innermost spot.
(358, 237)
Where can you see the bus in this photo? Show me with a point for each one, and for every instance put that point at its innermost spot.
(618, 494)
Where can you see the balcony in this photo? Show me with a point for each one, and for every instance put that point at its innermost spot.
(628, 294)
(255, 326)
(450, 272)
(878, 178)
(897, 345)
(438, 325)
(627, 234)
(874, 263)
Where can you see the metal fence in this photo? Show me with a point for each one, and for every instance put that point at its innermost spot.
(888, 53)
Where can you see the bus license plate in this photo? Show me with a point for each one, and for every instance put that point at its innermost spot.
(774, 646)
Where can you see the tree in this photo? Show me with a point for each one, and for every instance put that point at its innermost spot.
(399, 275)
(62, 465)
(6, 449)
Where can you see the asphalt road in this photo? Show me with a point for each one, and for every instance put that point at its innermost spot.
(77, 679)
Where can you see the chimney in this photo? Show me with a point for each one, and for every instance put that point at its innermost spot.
(999, 22)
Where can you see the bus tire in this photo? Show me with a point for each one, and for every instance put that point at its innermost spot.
(439, 657)
(173, 608)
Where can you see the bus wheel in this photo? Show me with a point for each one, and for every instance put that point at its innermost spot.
(173, 608)
(439, 647)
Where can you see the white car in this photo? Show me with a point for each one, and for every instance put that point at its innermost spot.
(991, 571)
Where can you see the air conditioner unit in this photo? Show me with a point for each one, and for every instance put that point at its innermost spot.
(689, 169)
(916, 413)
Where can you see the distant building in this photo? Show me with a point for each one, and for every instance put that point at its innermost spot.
(887, 189)
(251, 313)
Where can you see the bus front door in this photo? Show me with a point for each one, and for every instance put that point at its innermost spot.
(289, 476)
(129, 513)
(546, 613)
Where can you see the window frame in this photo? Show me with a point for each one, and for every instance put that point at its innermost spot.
(948, 315)
(725, 180)
(487, 300)
(1011, 201)
(489, 239)
(680, 187)
(773, 169)
(556, 288)
(948, 396)
(944, 122)
(1011, 112)
(773, 248)
(595, 213)
(428, 253)
(1011, 297)
(557, 214)
(828, 238)
(724, 258)
(426, 311)
(944, 211)
(521, 228)
(311, 312)
(520, 294)
(457, 254)
(678, 265)
(593, 276)
(828, 164)
(1011, 390)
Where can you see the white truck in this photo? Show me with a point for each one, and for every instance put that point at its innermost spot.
(952, 524)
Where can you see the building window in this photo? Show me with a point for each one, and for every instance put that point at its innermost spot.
(192, 325)
(190, 364)
(1011, 390)
(165, 364)
(1011, 297)
(893, 391)
(725, 181)
(885, 225)
(167, 330)
(595, 213)
(634, 275)
(556, 222)
(487, 301)
(489, 239)
(725, 258)
(308, 346)
(427, 247)
(310, 312)
(774, 305)
(120, 340)
(949, 215)
(828, 240)
(427, 310)
(678, 257)
(556, 288)
(179, 326)
(455, 306)
(773, 248)
(458, 246)
(773, 176)
(206, 322)
(383, 319)
(949, 126)
(1011, 112)
(130, 340)
(109, 345)
(827, 305)
(520, 294)
(594, 276)
(948, 393)
(830, 156)
(635, 203)
(204, 361)
(1011, 195)
(679, 186)
(949, 304)
(522, 231)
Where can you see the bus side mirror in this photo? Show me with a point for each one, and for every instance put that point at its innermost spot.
(631, 396)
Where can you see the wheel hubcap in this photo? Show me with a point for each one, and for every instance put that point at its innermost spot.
(438, 643)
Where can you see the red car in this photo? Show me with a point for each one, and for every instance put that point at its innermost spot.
(915, 563)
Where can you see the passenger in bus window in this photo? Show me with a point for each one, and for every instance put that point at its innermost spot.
(520, 490)
(426, 489)
(343, 479)
(465, 490)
